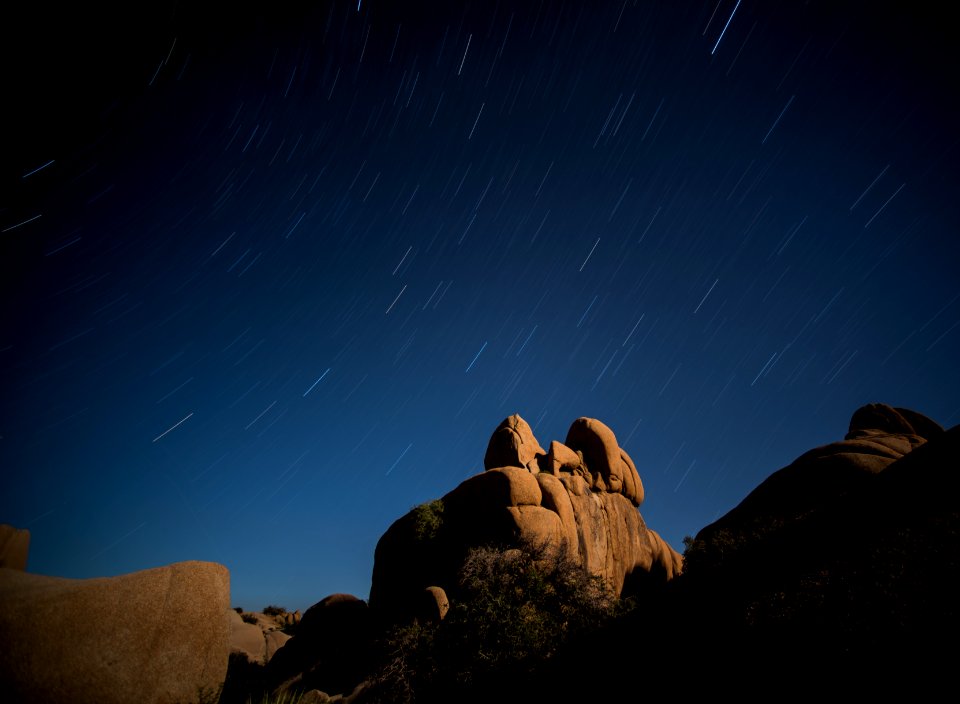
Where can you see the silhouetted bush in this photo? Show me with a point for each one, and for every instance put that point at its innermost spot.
(274, 610)
(513, 610)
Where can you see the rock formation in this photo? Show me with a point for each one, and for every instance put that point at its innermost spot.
(580, 496)
(845, 563)
(160, 636)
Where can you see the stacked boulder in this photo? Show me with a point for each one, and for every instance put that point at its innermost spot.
(579, 496)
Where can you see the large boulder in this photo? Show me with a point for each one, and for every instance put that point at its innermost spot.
(330, 650)
(580, 497)
(158, 636)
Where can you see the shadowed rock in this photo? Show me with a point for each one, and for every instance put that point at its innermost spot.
(846, 563)
(330, 649)
(878, 436)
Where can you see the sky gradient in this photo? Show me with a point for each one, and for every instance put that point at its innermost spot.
(271, 278)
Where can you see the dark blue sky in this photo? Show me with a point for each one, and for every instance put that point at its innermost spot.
(272, 278)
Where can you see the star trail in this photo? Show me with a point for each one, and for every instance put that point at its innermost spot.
(273, 277)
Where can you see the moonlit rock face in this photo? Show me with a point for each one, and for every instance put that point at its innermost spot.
(610, 467)
(583, 501)
(512, 445)
(160, 636)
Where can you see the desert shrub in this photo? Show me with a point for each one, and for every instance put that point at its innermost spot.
(238, 609)
(274, 610)
(513, 610)
(249, 618)
(427, 519)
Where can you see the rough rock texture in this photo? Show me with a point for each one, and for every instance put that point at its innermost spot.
(580, 496)
(14, 547)
(158, 636)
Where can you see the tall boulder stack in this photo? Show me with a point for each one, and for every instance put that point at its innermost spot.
(580, 497)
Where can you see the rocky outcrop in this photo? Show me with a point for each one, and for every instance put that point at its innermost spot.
(580, 497)
(159, 636)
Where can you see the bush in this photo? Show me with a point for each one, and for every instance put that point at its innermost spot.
(249, 618)
(427, 519)
(514, 609)
(274, 610)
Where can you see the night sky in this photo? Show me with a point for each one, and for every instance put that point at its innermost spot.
(271, 278)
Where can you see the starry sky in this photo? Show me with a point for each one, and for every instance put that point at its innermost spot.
(271, 277)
